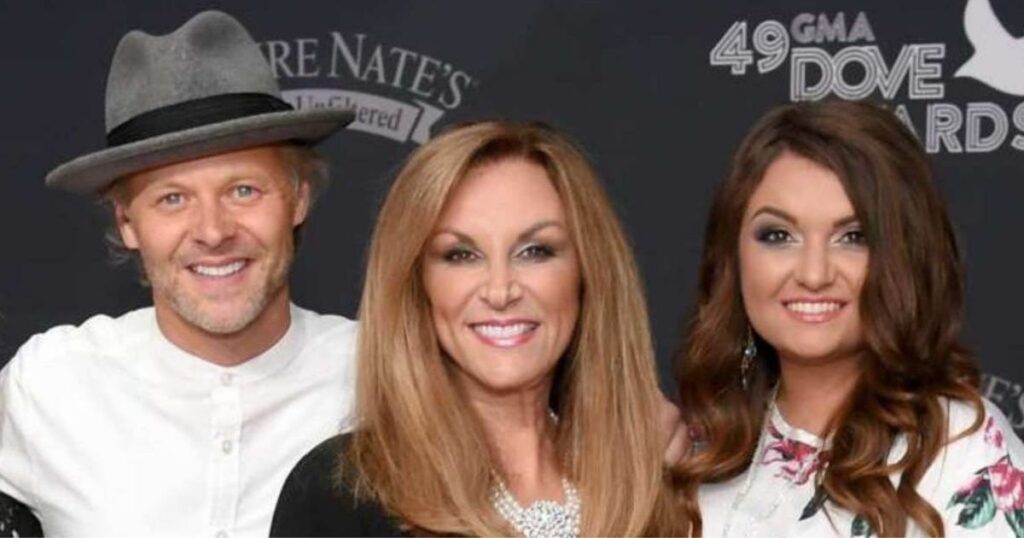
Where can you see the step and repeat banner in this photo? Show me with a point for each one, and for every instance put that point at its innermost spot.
(659, 93)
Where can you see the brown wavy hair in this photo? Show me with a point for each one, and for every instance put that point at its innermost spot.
(419, 449)
(911, 307)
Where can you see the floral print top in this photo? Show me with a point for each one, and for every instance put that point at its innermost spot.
(976, 484)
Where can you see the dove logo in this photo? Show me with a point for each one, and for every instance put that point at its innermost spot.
(998, 59)
(427, 87)
(908, 76)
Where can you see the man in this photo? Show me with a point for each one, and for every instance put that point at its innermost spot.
(183, 419)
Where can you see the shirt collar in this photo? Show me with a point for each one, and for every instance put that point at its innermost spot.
(176, 362)
(792, 432)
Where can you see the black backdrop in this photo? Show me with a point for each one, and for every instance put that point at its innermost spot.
(658, 92)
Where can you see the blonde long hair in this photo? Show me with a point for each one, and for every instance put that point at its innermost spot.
(419, 450)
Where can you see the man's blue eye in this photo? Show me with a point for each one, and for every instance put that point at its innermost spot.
(173, 198)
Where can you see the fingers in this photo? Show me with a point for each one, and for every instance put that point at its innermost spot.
(674, 432)
(678, 445)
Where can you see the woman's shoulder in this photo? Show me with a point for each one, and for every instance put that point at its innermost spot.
(323, 461)
(974, 434)
(319, 498)
(977, 481)
(983, 428)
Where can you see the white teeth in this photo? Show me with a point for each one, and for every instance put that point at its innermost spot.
(219, 270)
(503, 331)
(814, 308)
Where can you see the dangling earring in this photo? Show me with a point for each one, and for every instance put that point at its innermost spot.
(749, 352)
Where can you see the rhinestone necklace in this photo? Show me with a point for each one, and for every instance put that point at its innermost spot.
(542, 518)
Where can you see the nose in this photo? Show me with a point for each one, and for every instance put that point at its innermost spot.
(213, 224)
(815, 268)
(501, 289)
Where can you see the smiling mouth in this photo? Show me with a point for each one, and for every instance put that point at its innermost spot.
(508, 334)
(218, 271)
(814, 311)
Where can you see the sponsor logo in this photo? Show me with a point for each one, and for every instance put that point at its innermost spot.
(1008, 396)
(998, 58)
(836, 55)
(397, 93)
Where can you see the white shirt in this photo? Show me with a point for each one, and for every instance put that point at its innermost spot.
(108, 429)
(975, 483)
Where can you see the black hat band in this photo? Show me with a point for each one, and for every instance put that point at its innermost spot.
(194, 113)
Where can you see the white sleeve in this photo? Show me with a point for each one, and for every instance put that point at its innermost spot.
(985, 496)
(17, 418)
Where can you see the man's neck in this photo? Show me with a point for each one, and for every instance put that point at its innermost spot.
(228, 349)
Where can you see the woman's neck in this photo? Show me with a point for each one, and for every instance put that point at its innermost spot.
(810, 395)
(521, 433)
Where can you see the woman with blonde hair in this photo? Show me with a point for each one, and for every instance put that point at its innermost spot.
(824, 365)
(506, 382)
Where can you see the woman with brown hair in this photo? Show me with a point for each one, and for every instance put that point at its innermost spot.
(506, 381)
(823, 365)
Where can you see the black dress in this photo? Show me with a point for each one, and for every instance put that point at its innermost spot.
(313, 502)
(16, 519)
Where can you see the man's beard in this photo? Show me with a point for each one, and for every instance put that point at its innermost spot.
(190, 307)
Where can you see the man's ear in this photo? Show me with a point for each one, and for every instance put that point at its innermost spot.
(302, 201)
(125, 226)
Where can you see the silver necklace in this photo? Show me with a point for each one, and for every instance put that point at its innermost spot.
(542, 518)
(748, 482)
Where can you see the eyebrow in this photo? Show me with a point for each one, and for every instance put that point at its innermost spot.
(776, 212)
(230, 179)
(529, 232)
(524, 235)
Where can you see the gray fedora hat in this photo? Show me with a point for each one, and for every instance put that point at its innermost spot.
(200, 90)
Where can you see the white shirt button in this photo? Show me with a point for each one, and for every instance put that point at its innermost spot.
(227, 446)
(226, 379)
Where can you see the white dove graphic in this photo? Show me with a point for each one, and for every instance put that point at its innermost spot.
(998, 58)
